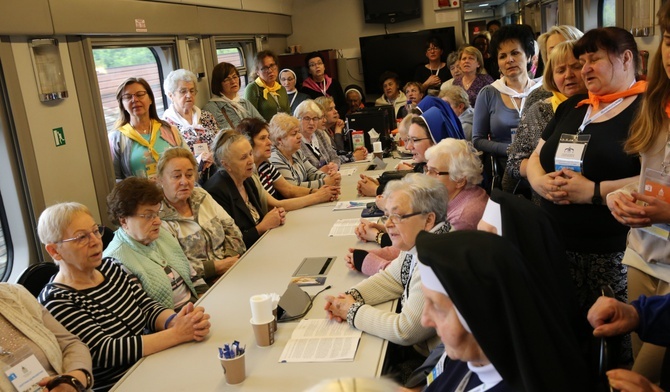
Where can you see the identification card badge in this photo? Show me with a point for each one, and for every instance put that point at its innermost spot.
(23, 370)
(437, 370)
(570, 152)
(657, 184)
(199, 148)
(513, 134)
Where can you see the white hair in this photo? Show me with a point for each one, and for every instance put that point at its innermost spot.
(461, 157)
(354, 384)
(307, 106)
(55, 219)
(426, 194)
(178, 75)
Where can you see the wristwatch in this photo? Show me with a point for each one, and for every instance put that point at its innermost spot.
(596, 199)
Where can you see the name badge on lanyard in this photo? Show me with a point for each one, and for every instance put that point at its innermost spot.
(570, 152)
(23, 370)
(657, 184)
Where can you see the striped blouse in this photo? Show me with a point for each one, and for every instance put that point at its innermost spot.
(110, 319)
(301, 173)
(268, 174)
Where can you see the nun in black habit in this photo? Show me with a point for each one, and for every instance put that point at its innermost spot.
(499, 324)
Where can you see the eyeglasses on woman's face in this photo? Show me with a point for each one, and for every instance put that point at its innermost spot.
(84, 239)
(231, 78)
(397, 218)
(138, 95)
(310, 119)
(270, 68)
(431, 171)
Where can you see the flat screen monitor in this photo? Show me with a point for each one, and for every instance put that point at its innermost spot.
(391, 11)
(401, 53)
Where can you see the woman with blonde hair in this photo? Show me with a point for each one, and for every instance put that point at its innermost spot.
(562, 79)
(648, 255)
(473, 74)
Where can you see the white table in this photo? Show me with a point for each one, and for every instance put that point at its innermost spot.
(266, 267)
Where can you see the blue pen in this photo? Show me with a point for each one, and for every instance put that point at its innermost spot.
(236, 348)
(221, 353)
(226, 351)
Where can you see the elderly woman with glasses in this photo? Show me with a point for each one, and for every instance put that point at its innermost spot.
(150, 255)
(266, 94)
(288, 79)
(316, 145)
(207, 234)
(95, 299)
(140, 136)
(319, 84)
(288, 158)
(198, 128)
(413, 204)
(227, 107)
(456, 164)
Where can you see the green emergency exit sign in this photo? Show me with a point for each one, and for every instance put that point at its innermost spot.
(59, 136)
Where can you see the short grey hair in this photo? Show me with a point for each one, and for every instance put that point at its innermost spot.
(462, 160)
(426, 194)
(55, 219)
(178, 75)
(307, 106)
(222, 144)
(280, 125)
(456, 94)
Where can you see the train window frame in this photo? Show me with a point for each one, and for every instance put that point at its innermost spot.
(6, 245)
(165, 54)
(246, 49)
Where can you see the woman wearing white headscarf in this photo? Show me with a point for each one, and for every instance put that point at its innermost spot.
(288, 79)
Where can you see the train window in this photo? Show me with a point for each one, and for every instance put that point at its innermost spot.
(607, 13)
(235, 53)
(113, 65)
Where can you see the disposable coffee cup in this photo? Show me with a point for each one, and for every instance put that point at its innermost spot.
(234, 369)
(264, 333)
(261, 308)
(274, 322)
(377, 147)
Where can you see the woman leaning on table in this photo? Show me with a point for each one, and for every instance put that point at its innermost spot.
(413, 204)
(227, 107)
(140, 136)
(238, 190)
(265, 93)
(150, 254)
(572, 188)
(207, 234)
(94, 298)
(198, 128)
(290, 161)
(647, 256)
(256, 131)
(25, 324)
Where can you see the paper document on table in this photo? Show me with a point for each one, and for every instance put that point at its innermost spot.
(344, 227)
(352, 204)
(347, 172)
(321, 340)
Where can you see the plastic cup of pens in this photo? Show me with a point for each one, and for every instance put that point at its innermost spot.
(232, 362)
(262, 319)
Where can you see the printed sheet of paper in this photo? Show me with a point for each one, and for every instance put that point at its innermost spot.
(321, 340)
(344, 227)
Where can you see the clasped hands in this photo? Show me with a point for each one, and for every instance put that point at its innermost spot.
(191, 323)
(565, 186)
(337, 307)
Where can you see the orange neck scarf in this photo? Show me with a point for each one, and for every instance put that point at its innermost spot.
(595, 100)
(667, 109)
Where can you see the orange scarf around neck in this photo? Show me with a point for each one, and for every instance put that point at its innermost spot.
(595, 100)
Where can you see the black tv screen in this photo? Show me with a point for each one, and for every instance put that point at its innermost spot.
(391, 11)
(401, 53)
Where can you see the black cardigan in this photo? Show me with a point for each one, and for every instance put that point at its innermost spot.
(223, 189)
